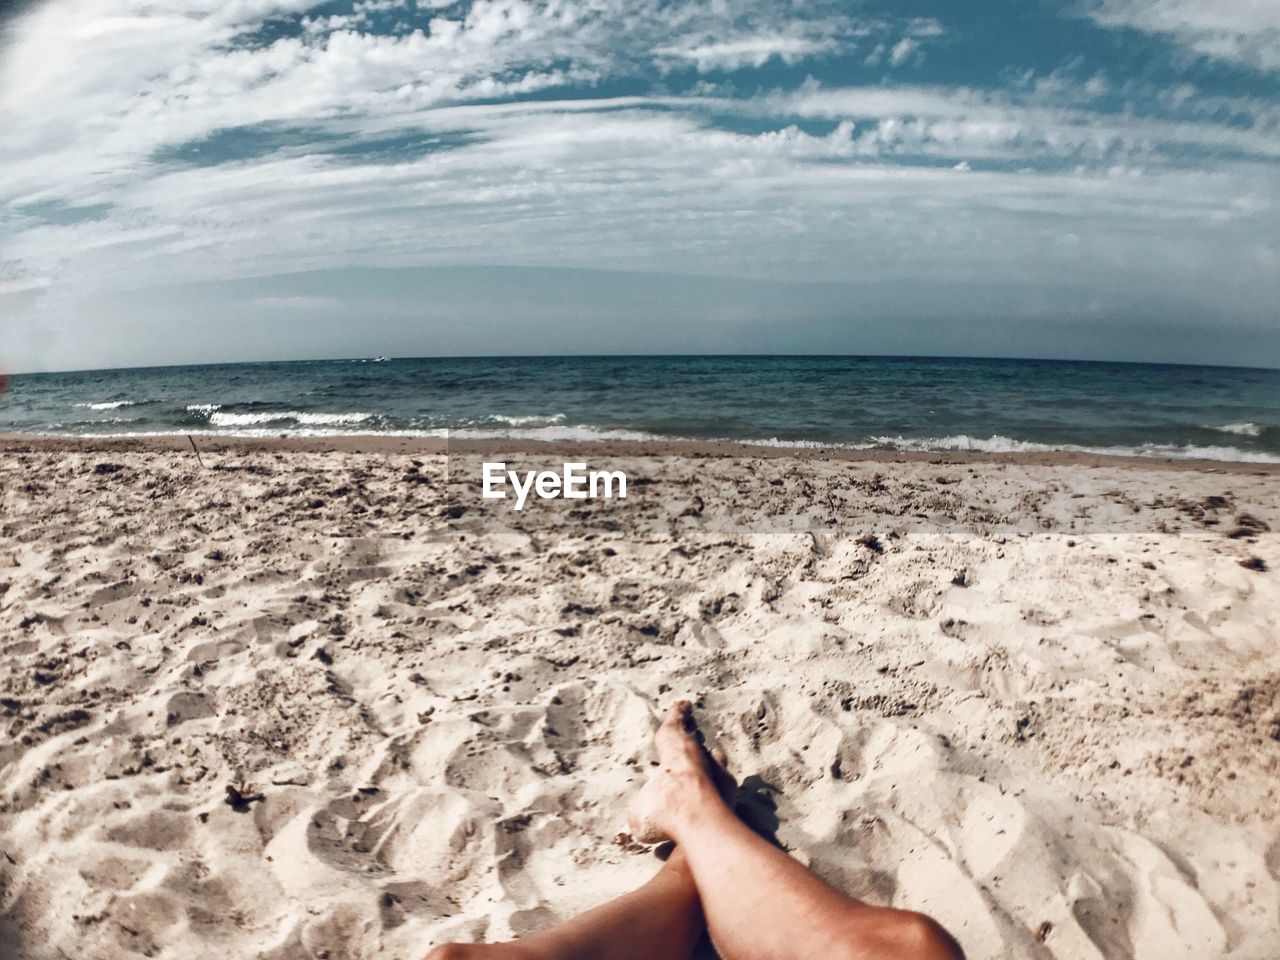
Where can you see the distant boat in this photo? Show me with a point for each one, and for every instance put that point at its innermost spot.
(378, 360)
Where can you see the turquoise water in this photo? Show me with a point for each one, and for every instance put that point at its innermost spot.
(902, 403)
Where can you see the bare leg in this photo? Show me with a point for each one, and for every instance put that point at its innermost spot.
(759, 903)
(659, 921)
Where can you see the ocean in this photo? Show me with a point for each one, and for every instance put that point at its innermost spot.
(900, 403)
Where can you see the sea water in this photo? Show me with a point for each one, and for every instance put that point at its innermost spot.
(860, 402)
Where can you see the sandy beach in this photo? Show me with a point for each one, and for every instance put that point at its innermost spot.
(281, 702)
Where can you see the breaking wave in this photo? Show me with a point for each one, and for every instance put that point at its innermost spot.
(108, 404)
(218, 418)
(1240, 429)
(999, 444)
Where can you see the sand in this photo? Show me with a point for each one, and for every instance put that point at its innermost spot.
(283, 705)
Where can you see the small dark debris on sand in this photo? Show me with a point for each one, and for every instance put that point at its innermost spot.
(871, 542)
(1254, 563)
(1248, 525)
(239, 797)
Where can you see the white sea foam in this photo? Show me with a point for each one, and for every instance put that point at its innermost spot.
(244, 419)
(203, 407)
(1245, 429)
(570, 433)
(334, 419)
(528, 421)
(251, 425)
(799, 444)
(992, 444)
(580, 433)
(108, 404)
(219, 419)
(999, 444)
(260, 433)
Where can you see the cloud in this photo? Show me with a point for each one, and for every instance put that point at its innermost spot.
(205, 142)
(1243, 31)
(749, 51)
(902, 51)
(296, 302)
(14, 279)
(656, 185)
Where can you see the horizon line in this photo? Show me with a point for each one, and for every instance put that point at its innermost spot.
(651, 356)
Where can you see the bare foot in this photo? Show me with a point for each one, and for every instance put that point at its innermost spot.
(687, 776)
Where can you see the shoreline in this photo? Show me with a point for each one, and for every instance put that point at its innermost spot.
(693, 449)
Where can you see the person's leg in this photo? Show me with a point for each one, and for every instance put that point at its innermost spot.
(659, 921)
(759, 903)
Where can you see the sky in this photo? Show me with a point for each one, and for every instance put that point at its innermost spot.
(213, 180)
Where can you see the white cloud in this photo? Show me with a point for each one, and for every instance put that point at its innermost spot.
(1245, 31)
(830, 183)
(23, 284)
(749, 51)
(625, 184)
(902, 51)
(296, 302)
(1005, 126)
(925, 27)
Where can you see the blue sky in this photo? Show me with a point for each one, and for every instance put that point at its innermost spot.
(207, 180)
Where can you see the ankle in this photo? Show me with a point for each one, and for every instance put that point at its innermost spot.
(677, 863)
(699, 805)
